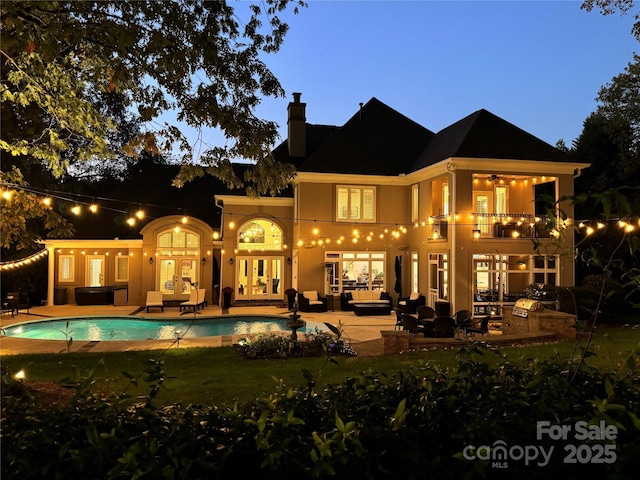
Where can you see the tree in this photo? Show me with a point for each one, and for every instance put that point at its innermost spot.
(608, 7)
(25, 217)
(604, 143)
(191, 57)
(63, 61)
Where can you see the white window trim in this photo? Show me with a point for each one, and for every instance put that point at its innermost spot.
(72, 270)
(117, 270)
(361, 188)
(415, 210)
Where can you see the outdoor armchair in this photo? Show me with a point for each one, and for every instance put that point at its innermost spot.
(412, 302)
(311, 301)
(482, 328)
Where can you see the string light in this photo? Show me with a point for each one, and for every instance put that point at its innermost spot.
(477, 220)
(23, 261)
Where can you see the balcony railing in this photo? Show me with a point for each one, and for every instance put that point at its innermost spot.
(496, 225)
(506, 225)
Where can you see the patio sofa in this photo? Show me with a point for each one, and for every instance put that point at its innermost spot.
(349, 298)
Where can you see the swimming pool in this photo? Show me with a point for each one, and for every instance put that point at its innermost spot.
(105, 328)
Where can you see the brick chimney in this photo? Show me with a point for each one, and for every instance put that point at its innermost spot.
(296, 122)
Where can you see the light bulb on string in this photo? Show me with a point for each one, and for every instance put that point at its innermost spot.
(315, 228)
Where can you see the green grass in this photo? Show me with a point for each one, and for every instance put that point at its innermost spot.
(220, 376)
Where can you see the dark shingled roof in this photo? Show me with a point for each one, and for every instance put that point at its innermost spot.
(485, 135)
(375, 141)
(316, 135)
(380, 141)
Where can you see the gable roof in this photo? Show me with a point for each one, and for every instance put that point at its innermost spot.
(485, 135)
(377, 140)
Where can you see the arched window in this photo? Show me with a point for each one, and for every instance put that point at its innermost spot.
(178, 243)
(260, 234)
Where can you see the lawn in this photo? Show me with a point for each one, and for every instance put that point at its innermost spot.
(220, 376)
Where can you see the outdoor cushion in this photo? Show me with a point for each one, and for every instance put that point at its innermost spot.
(312, 296)
(414, 296)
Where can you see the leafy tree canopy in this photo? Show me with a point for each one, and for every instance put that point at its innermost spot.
(608, 7)
(197, 58)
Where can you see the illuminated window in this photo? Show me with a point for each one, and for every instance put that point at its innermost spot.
(501, 200)
(122, 269)
(67, 268)
(445, 198)
(415, 212)
(355, 204)
(260, 234)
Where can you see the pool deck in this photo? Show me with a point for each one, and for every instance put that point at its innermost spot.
(359, 331)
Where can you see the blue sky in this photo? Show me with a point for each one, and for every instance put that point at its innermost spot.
(537, 64)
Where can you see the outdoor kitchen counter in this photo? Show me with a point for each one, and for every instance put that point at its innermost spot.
(545, 320)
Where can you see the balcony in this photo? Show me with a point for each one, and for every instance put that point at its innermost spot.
(511, 226)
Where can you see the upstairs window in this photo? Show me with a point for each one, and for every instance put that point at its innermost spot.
(355, 204)
(415, 211)
(259, 234)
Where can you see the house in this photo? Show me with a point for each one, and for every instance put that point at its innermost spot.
(383, 203)
(379, 203)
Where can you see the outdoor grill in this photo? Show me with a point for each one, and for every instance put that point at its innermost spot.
(525, 305)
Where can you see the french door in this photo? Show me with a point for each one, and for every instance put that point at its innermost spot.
(94, 271)
(482, 206)
(259, 278)
(177, 276)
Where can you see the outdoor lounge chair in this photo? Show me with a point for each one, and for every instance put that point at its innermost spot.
(196, 300)
(202, 297)
(154, 299)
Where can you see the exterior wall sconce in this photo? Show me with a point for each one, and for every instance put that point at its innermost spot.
(151, 260)
(203, 261)
(230, 260)
(289, 260)
(476, 234)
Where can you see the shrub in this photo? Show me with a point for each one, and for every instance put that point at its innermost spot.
(274, 345)
(415, 425)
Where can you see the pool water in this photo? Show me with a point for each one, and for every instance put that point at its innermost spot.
(127, 328)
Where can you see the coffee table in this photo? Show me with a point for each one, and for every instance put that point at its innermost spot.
(361, 309)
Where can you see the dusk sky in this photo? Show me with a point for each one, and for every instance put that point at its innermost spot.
(537, 64)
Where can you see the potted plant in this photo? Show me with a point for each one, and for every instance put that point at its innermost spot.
(226, 297)
(291, 297)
